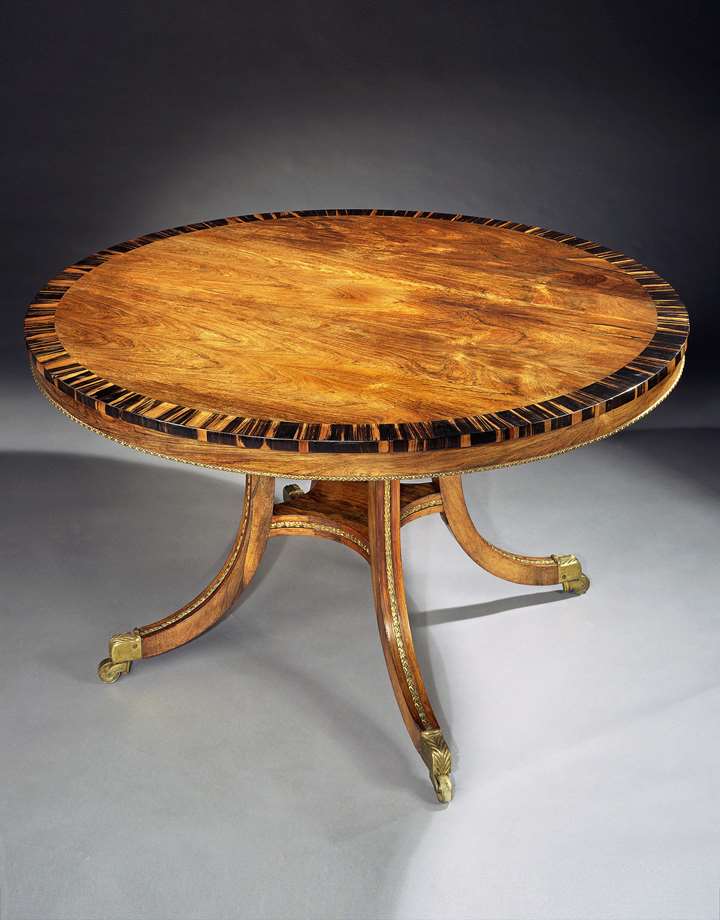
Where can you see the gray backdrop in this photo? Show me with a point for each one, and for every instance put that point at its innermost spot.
(126, 118)
(263, 771)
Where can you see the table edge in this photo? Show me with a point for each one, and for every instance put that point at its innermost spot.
(423, 465)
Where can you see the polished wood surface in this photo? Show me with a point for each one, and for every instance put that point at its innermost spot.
(355, 320)
(354, 333)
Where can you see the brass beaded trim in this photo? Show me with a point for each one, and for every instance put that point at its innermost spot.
(368, 477)
(416, 509)
(530, 560)
(325, 528)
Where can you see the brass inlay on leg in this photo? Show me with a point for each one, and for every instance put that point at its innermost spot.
(436, 754)
(394, 606)
(124, 649)
(571, 574)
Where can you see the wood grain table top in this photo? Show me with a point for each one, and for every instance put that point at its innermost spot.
(353, 333)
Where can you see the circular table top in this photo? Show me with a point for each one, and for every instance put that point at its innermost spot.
(355, 331)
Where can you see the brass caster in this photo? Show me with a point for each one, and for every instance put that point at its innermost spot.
(436, 754)
(124, 649)
(572, 577)
(290, 491)
(578, 585)
(109, 671)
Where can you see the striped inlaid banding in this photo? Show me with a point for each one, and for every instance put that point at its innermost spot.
(648, 368)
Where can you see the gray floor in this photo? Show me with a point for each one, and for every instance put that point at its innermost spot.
(263, 771)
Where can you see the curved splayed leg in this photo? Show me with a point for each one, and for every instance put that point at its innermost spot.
(562, 570)
(211, 604)
(396, 636)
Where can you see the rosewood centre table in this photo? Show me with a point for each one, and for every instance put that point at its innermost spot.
(380, 355)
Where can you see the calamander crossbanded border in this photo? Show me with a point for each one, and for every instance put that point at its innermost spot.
(64, 373)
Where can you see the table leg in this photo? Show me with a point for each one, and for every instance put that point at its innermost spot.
(396, 637)
(214, 601)
(525, 570)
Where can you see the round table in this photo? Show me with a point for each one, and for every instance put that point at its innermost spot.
(379, 354)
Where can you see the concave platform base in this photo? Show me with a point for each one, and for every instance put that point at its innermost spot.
(366, 517)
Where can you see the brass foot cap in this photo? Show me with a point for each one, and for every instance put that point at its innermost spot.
(124, 648)
(443, 788)
(570, 573)
(436, 754)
